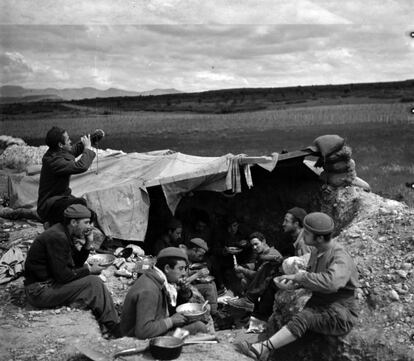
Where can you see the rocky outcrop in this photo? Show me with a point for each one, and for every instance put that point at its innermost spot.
(379, 234)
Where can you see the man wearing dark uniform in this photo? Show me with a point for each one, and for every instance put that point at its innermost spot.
(58, 164)
(56, 273)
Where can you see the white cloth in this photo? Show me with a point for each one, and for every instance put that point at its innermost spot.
(171, 289)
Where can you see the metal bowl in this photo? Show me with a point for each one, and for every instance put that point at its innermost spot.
(103, 260)
(166, 347)
(193, 311)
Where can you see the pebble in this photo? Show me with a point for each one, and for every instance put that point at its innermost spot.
(394, 295)
(407, 266)
(402, 273)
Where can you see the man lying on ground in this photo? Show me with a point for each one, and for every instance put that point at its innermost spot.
(56, 273)
(154, 296)
(332, 277)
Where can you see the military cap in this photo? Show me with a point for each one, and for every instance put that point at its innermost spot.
(77, 211)
(298, 213)
(201, 243)
(173, 252)
(174, 223)
(319, 223)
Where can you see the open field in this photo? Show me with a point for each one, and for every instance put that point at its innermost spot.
(380, 134)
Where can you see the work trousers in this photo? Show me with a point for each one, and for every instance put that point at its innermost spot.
(263, 308)
(55, 213)
(261, 281)
(88, 291)
(334, 319)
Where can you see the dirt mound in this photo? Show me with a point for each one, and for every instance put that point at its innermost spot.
(379, 234)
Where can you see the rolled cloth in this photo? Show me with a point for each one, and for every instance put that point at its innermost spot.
(319, 223)
(173, 252)
(77, 211)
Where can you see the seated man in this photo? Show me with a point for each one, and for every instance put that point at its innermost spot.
(171, 237)
(198, 228)
(231, 246)
(56, 273)
(332, 277)
(199, 274)
(58, 164)
(256, 280)
(153, 298)
(291, 243)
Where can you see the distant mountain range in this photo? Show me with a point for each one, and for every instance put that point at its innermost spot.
(13, 93)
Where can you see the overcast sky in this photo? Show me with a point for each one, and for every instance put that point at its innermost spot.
(201, 45)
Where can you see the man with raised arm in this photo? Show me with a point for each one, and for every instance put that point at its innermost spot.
(58, 164)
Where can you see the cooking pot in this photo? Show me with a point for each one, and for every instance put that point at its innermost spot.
(166, 347)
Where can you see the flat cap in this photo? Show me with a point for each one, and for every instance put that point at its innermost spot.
(201, 243)
(174, 223)
(173, 252)
(318, 223)
(77, 211)
(298, 213)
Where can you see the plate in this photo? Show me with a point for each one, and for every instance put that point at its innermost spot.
(197, 266)
(234, 249)
(103, 260)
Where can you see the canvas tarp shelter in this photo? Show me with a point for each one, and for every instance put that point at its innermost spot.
(118, 191)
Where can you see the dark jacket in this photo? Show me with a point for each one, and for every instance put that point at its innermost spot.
(53, 257)
(57, 167)
(145, 312)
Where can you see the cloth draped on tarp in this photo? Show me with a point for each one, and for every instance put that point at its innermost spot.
(117, 189)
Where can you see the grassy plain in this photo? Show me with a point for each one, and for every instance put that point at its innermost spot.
(381, 134)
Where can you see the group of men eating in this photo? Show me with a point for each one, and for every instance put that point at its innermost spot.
(188, 261)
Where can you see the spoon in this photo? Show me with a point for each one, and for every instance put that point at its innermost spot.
(204, 305)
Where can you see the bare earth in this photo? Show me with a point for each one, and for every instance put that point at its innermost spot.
(381, 239)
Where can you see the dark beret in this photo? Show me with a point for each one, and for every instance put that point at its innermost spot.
(318, 223)
(299, 213)
(174, 223)
(201, 243)
(77, 211)
(173, 252)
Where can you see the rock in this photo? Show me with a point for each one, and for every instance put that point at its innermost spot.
(394, 295)
(402, 273)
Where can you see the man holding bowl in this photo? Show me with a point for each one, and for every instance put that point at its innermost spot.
(149, 307)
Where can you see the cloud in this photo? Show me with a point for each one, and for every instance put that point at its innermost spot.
(203, 57)
(108, 12)
(14, 67)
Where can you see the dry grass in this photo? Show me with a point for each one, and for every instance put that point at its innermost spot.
(381, 135)
(159, 123)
